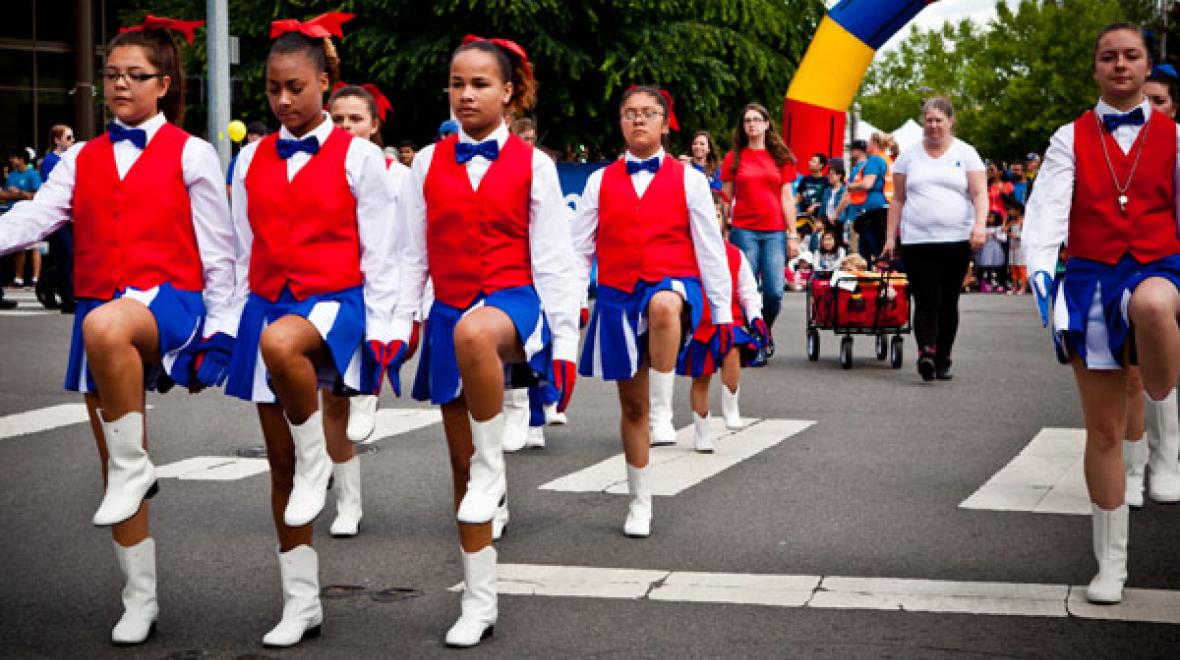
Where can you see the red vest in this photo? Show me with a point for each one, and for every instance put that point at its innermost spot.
(305, 230)
(137, 231)
(1098, 230)
(644, 239)
(704, 331)
(478, 241)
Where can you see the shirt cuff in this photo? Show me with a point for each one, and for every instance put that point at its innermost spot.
(722, 315)
(565, 348)
(400, 329)
(216, 324)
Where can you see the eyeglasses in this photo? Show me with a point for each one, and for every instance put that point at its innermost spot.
(68, 138)
(647, 115)
(753, 120)
(113, 77)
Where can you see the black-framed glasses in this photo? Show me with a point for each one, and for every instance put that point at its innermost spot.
(647, 115)
(113, 77)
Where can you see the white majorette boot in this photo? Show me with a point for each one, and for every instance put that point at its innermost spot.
(362, 418)
(1110, 549)
(299, 569)
(486, 485)
(131, 477)
(477, 621)
(660, 415)
(554, 418)
(1134, 463)
(313, 470)
(500, 521)
(347, 484)
(702, 436)
(536, 438)
(1163, 439)
(729, 408)
(138, 565)
(516, 419)
(638, 523)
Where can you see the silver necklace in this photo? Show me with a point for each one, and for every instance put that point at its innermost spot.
(1122, 189)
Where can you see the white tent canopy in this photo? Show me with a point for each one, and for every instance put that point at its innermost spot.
(863, 131)
(907, 135)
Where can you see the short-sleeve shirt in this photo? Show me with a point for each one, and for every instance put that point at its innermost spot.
(876, 198)
(811, 191)
(938, 207)
(757, 190)
(48, 163)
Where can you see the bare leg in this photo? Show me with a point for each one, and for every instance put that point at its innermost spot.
(698, 396)
(664, 321)
(633, 399)
(1136, 411)
(1154, 309)
(291, 347)
(485, 339)
(120, 337)
(731, 370)
(335, 427)
(280, 453)
(1104, 407)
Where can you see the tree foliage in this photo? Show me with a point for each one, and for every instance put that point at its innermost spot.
(714, 56)
(1013, 81)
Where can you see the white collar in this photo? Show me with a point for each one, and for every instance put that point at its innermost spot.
(320, 132)
(500, 135)
(1103, 108)
(636, 159)
(149, 126)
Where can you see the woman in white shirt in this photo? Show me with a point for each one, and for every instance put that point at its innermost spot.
(940, 205)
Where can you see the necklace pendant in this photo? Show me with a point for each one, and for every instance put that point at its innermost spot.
(1123, 199)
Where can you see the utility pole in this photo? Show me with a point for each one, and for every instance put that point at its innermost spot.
(217, 31)
(84, 70)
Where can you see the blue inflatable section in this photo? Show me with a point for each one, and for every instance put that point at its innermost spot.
(875, 21)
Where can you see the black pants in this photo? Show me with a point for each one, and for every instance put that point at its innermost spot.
(936, 272)
(872, 233)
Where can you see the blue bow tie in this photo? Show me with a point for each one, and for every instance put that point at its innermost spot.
(1114, 120)
(288, 148)
(651, 165)
(465, 151)
(136, 136)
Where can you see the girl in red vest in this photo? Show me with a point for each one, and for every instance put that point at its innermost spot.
(360, 110)
(704, 356)
(651, 222)
(485, 220)
(313, 212)
(154, 273)
(1106, 188)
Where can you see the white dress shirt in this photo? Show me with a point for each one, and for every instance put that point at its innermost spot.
(747, 289)
(1046, 220)
(706, 233)
(554, 271)
(53, 206)
(364, 168)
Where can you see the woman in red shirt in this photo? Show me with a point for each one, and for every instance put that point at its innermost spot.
(757, 177)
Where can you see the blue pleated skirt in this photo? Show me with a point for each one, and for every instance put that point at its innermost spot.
(704, 357)
(339, 317)
(438, 378)
(1090, 310)
(179, 315)
(616, 339)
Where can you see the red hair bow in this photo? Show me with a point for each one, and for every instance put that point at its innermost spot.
(160, 23)
(508, 45)
(673, 123)
(383, 104)
(324, 25)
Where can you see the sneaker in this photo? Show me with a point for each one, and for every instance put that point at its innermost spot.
(769, 350)
(942, 369)
(926, 365)
(18, 282)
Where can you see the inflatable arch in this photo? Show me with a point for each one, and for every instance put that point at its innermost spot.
(833, 68)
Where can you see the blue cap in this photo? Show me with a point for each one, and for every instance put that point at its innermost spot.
(1165, 70)
(447, 127)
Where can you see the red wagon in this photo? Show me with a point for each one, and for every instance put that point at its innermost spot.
(865, 304)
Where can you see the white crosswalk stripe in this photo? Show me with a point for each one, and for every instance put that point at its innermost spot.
(1045, 477)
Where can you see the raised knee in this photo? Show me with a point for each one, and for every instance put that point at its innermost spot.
(276, 345)
(102, 330)
(469, 339)
(663, 311)
(1150, 307)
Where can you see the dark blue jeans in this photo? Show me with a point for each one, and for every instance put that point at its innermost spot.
(767, 253)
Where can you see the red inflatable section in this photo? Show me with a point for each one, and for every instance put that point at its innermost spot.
(810, 129)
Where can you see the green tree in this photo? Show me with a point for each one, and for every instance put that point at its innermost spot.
(1013, 81)
(713, 55)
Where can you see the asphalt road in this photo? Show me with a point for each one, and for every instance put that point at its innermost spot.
(871, 490)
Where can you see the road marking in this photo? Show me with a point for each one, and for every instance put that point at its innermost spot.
(43, 419)
(677, 467)
(26, 312)
(1045, 477)
(390, 422)
(833, 592)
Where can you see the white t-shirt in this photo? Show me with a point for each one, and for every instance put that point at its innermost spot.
(938, 208)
